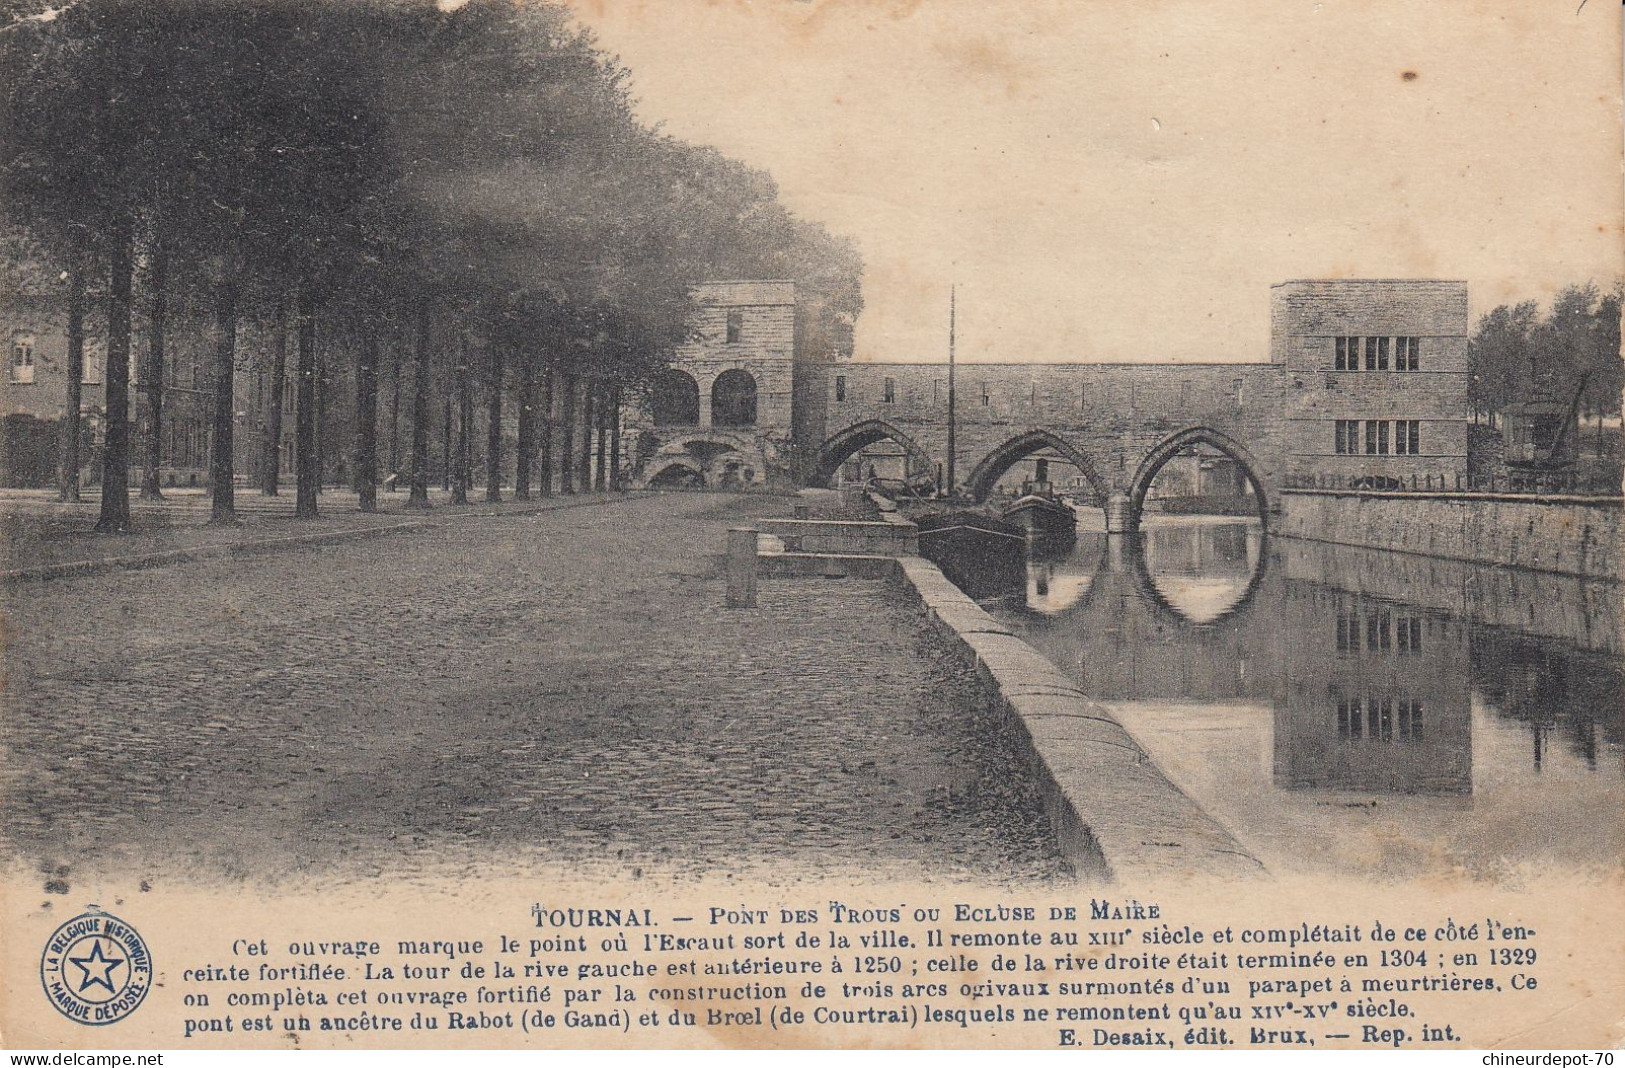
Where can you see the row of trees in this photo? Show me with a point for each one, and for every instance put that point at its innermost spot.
(1517, 354)
(472, 185)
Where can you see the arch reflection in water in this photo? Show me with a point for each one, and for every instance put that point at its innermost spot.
(1203, 571)
(1346, 709)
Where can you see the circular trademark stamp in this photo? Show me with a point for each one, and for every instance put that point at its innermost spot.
(96, 969)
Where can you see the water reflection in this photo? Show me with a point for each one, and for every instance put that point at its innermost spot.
(1060, 572)
(1203, 572)
(1284, 681)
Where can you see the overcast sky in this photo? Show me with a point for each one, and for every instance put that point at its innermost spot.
(1124, 179)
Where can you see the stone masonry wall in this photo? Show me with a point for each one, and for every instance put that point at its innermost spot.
(1572, 537)
(1307, 318)
(1111, 415)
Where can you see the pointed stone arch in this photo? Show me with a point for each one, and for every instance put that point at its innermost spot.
(1172, 445)
(993, 466)
(841, 445)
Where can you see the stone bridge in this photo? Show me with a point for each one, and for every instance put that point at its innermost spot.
(1365, 386)
(1118, 424)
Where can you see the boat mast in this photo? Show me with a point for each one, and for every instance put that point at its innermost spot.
(951, 409)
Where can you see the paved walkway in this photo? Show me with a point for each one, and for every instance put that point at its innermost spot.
(38, 531)
(499, 692)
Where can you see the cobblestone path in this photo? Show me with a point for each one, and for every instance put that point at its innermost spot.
(501, 693)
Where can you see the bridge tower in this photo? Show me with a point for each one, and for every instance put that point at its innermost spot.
(721, 414)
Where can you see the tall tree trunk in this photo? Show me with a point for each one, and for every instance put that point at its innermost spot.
(115, 513)
(304, 445)
(545, 413)
(602, 462)
(71, 422)
(271, 474)
(153, 377)
(525, 432)
(395, 419)
(615, 440)
(493, 426)
(222, 466)
(567, 452)
(366, 425)
(321, 420)
(419, 497)
(445, 443)
(589, 389)
(463, 473)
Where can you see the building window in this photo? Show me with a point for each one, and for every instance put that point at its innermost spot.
(736, 327)
(1410, 720)
(1347, 355)
(1348, 630)
(1378, 630)
(1407, 437)
(1381, 723)
(22, 358)
(888, 392)
(1236, 387)
(1348, 437)
(987, 398)
(840, 387)
(1376, 437)
(1408, 633)
(1349, 718)
(91, 375)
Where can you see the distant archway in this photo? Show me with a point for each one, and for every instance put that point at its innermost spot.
(841, 446)
(677, 474)
(994, 465)
(1175, 444)
(733, 399)
(675, 399)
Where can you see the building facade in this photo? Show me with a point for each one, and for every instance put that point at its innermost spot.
(1376, 379)
(721, 414)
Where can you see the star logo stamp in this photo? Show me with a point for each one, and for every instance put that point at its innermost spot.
(96, 969)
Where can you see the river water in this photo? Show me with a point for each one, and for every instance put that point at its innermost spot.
(1344, 710)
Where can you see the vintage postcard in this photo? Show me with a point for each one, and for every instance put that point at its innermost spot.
(812, 523)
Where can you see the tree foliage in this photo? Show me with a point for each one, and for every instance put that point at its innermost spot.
(1517, 354)
(374, 158)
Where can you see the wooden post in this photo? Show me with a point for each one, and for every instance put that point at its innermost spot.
(741, 567)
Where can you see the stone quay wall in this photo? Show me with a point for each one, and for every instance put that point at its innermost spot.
(1565, 535)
